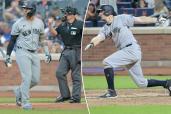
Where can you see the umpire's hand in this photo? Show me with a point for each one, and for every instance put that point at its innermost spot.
(8, 61)
(48, 58)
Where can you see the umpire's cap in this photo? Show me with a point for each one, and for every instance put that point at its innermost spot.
(31, 6)
(69, 10)
(108, 10)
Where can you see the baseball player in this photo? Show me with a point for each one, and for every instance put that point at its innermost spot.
(71, 34)
(26, 34)
(129, 51)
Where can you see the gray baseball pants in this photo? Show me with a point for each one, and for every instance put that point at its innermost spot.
(29, 66)
(129, 57)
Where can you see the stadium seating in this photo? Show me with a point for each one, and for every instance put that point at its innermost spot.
(88, 24)
(100, 23)
(125, 0)
(136, 11)
(130, 11)
(144, 11)
(168, 4)
(124, 5)
(1, 13)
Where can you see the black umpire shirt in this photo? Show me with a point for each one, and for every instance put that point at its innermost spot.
(71, 33)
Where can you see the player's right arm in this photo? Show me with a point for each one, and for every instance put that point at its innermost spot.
(11, 44)
(15, 31)
(14, 35)
(95, 41)
(10, 47)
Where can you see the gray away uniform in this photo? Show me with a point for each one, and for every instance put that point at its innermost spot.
(129, 52)
(26, 56)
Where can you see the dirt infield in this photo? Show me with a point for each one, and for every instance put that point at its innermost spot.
(46, 106)
(49, 105)
(36, 94)
(130, 97)
(33, 94)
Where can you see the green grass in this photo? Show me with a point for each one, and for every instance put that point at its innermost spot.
(141, 109)
(43, 111)
(121, 82)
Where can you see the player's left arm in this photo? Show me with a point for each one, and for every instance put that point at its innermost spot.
(42, 38)
(145, 20)
(48, 57)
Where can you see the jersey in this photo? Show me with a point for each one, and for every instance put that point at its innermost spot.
(119, 31)
(28, 32)
(71, 33)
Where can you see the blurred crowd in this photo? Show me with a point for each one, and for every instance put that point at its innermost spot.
(45, 9)
(10, 11)
(147, 8)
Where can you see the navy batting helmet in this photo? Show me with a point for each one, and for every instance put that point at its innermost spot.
(31, 6)
(108, 10)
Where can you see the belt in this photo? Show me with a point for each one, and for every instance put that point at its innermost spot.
(128, 45)
(32, 51)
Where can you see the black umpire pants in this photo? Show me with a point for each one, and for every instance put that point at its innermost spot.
(70, 60)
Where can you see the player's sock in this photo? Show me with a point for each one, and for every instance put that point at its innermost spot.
(109, 74)
(153, 83)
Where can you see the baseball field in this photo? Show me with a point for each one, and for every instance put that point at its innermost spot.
(130, 100)
(43, 103)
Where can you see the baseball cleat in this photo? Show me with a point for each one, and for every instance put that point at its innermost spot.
(109, 94)
(61, 99)
(72, 100)
(27, 106)
(18, 102)
(18, 97)
(168, 86)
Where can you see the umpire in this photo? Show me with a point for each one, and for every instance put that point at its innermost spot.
(71, 33)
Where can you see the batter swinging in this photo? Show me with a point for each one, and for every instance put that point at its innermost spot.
(129, 51)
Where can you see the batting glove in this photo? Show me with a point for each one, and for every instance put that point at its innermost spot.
(90, 45)
(48, 58)
(163, 21)
(8, 61)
